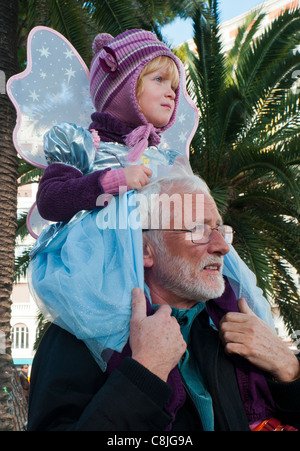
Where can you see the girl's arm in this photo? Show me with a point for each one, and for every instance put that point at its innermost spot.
(64, 190)
(67, 185)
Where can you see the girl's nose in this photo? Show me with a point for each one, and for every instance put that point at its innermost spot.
(170, 92)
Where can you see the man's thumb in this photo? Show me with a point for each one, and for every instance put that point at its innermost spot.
(244, 307)
(138, 303)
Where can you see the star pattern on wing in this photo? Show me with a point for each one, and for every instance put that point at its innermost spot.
(69, 54)
(70, 73)
(34, 96)
(44, 52)
(51, 90)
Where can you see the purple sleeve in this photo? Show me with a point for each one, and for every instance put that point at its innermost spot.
(64, 190)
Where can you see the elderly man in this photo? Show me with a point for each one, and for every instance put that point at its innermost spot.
(197, 358)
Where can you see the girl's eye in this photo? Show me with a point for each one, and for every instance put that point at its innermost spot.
(158, 79)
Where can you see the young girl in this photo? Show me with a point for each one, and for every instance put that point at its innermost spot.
(81, 274)
(135, 89)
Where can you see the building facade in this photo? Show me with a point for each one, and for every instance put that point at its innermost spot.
(24, 311)
(271, 9)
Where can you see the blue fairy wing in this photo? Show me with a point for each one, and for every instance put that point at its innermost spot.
(179, 136)
(35, 223)
(53, 88)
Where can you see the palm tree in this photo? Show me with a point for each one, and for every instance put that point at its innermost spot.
(8, 200)
(247, 146)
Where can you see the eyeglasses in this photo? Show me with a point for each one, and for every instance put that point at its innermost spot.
(201, 234)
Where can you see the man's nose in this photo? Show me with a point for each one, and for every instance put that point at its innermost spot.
(217, 244)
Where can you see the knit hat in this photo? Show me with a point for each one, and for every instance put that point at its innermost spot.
(114, 72)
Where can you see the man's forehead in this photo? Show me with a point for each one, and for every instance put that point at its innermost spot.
(192, 209)
(191, 200)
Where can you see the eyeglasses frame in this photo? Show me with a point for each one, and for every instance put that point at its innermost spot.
(191, 232)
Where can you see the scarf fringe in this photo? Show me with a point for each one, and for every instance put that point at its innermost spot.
(139, 139)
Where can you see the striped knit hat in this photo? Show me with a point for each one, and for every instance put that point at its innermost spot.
(114, 72)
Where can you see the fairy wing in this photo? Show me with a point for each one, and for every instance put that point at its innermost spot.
(179, 136)
(53, 88)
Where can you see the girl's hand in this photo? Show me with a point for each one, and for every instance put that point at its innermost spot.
(137, 176)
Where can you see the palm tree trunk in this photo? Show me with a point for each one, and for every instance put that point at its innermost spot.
(9, 392)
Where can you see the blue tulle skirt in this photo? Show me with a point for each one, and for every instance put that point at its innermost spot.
(82, 279)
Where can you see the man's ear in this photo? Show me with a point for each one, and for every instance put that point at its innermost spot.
(147, 254)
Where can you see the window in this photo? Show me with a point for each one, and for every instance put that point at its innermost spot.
(19, 337)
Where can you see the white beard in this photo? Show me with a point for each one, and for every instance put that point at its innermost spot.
(178, 276)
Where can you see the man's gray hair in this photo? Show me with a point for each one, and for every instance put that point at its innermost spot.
(182, 175)
(179, 180)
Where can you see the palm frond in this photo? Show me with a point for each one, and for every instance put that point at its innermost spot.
(28, 173)
(265, 53)
(242, 42)
(42, 326)
(22, 231)
(286, 294)
(261, 163)
(21, 265)
(68, 18)
(247, 145)
(114, 17)
(208, 76)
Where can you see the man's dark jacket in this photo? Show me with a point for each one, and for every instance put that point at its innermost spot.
(70, 392)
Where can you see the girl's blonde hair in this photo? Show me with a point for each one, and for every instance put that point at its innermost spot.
(155, 64)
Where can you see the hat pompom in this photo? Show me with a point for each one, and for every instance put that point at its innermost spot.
(100, 41)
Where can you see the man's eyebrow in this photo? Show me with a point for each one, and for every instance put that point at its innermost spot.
(219, 221)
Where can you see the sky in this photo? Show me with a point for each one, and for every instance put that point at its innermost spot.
(181, 30)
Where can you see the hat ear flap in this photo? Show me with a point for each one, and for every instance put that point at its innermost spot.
(100, 41)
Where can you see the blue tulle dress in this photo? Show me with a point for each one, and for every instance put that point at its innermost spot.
(82, 272)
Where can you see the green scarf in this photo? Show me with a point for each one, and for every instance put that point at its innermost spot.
(189, 370)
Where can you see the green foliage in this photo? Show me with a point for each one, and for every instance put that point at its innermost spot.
(66, 16)
(247, 146)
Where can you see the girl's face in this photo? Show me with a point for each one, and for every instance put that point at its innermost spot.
(157, 99)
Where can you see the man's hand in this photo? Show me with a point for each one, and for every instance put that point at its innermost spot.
(250, 337)
(156, 341)
(137, 176)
